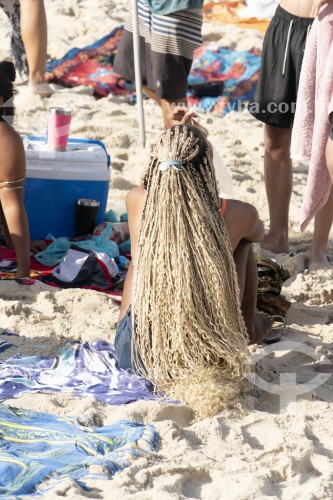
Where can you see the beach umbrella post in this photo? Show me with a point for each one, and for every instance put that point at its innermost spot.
(137, 70)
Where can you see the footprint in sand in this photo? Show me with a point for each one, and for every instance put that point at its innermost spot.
(262, 436)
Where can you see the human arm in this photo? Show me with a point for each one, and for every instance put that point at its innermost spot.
(135, 200)
(317, 4)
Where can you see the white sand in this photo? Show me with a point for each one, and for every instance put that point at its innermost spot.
(253, 450)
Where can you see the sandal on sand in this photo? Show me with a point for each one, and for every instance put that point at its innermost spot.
(278, 329)
(271, 277)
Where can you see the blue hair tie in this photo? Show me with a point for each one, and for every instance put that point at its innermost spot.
(164, 165)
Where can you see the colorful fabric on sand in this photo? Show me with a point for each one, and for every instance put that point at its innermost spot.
(57, 250)
(236, 13)
(8, 265)
(93, 66)
(238, 70)
(80, 368)
(40, 451)
(4, 343)
(42, 273)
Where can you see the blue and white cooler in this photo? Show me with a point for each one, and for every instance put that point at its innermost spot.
(56, 180)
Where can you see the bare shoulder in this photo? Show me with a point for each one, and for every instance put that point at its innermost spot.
(135, 199)
(10, 138)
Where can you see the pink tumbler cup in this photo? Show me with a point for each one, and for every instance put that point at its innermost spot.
(58, 128)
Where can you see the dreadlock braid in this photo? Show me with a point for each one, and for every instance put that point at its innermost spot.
(189, 337)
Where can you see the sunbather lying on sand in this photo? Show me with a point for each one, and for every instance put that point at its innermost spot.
(192, 286)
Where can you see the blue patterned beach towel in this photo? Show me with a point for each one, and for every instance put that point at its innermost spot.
(39, 451)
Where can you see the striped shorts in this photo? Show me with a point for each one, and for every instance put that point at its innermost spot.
(167, 44)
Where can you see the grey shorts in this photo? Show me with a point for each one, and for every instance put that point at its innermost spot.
(167, 45)
(274, 102)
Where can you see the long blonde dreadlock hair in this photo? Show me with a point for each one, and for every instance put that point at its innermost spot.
(189, 336)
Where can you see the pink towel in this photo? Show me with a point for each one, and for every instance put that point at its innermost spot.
(314, 104)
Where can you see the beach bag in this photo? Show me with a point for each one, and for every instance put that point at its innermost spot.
(271, 277)
(85, 268)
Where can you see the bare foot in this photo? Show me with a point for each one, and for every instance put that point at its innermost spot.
(318, 260)
(268, 329)
(41, 89)
(275, 245)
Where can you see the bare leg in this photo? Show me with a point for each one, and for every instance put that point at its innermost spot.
(34, 36)
(16, 229)
(151, 94)
(329, 157)
(328, 368)
(323, 223)
(258, 325)
(165, 105)
(278, 183)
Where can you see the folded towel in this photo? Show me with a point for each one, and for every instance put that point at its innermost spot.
(314, 104)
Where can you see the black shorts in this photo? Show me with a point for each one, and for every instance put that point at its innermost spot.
(167, 44)
(274, 102)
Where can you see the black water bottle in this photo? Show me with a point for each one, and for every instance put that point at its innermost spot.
(86, 214)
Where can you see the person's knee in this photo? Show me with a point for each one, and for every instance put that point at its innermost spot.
(277, 142)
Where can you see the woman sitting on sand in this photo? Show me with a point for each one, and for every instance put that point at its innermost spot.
(194, 274)
(12, 175)
(13, 216)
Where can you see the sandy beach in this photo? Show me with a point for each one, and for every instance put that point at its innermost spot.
(278, 441)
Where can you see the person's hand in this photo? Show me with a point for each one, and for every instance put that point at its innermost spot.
(37, 246)
(316, 7)
(180, 115)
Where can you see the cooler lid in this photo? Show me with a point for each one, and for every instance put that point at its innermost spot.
(78, 151)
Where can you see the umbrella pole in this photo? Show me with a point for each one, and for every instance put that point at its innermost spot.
(137, 70)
